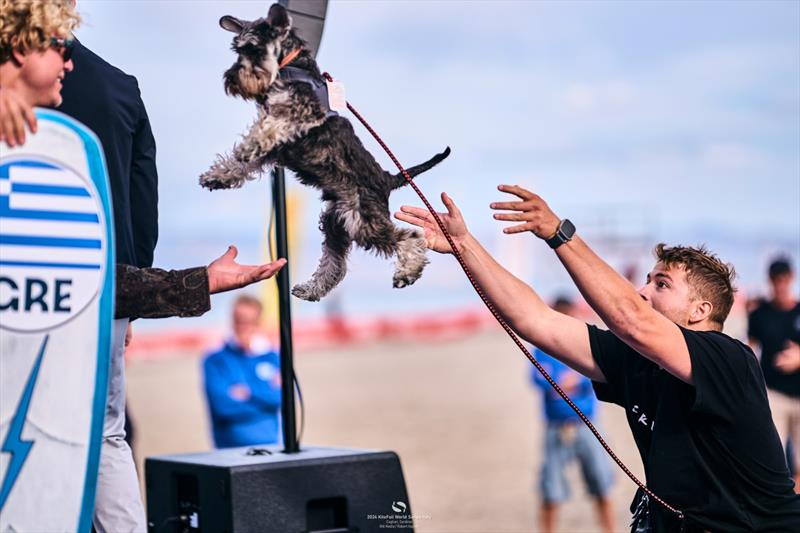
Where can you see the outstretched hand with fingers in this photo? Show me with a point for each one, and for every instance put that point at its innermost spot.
(225, 274)
(534, 213)
(434, 238)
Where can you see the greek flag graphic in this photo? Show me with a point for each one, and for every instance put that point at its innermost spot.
(48, 218)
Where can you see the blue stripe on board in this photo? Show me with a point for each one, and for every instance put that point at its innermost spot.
(82, 266)
(60, 190)
(4, 169)
(56, 242)
(33, 214)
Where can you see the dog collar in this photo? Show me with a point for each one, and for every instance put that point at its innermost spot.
(290, 57)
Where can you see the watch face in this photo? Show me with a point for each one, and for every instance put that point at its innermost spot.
(567, 228)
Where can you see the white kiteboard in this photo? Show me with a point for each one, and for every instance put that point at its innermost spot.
(56, 312)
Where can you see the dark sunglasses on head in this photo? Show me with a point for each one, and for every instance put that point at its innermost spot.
(66, 45)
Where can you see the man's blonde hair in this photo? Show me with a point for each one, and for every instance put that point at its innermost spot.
(28, 25)
(252, 301)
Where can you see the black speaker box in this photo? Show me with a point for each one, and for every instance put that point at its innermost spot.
(263, 490)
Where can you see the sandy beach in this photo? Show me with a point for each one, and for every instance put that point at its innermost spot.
(461, 415)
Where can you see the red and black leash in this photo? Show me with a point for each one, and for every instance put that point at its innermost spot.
(503, 323)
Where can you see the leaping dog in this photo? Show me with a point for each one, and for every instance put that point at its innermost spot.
(297, 129)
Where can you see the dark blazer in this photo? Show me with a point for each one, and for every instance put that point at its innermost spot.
(108, 101)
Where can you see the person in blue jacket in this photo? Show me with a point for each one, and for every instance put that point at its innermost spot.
(567, 439)
(243, 383)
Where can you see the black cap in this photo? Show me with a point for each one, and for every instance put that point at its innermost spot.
(563, 301)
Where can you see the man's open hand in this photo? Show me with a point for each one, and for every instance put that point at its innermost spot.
(534, 213)
(225, 274)
(434, 238)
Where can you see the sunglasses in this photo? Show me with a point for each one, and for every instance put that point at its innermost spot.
(66, 45)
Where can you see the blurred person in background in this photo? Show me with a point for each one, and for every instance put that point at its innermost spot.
(774, 330)
(568, 439)
(243, 382)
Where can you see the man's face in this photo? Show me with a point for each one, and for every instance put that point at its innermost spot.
(782, 283)
(245, 323)
(41, 74)
(669, 292)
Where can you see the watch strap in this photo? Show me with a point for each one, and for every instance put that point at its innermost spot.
(564, 233)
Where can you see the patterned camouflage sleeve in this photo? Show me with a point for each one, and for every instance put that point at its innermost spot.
(157, 293)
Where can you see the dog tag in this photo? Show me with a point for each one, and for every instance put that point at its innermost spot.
(336, 99)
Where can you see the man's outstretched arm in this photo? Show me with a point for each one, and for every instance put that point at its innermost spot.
(157, 293)
(555, 333)
(612, 297)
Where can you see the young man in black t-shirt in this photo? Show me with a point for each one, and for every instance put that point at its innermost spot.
(774, 330)
(695, 398)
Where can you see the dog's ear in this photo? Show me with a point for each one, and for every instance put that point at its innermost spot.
(278, 17)
(231, 24)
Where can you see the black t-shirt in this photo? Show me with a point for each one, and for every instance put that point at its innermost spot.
(710, 450)
(772, 328)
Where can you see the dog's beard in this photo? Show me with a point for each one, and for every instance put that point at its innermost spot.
(246, 83)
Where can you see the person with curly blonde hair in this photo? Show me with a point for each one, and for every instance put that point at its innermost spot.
(35, 49)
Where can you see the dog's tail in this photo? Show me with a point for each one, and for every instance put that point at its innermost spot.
(399, 180)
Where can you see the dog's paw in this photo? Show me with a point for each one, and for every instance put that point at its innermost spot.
(404, 280)
(304, 292)
(211, 181)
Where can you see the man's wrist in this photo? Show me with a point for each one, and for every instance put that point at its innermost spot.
(551, 232)
(466, 243)
(563, 234)
(213, 284)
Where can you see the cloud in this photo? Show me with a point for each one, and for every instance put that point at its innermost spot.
(733, 157)
(607, 97)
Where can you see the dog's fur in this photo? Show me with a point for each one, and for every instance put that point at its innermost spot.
(292, 130)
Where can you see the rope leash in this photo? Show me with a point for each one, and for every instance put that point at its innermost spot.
(502, 322)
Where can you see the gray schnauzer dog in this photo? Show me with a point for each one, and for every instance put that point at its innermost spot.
(296, 129)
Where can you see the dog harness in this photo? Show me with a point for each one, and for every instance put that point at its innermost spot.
(318, 85)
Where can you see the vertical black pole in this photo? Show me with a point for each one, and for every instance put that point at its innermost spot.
(285, 313)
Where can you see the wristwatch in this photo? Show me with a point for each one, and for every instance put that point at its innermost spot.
(564, 233)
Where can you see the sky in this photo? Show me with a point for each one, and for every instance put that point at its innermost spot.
(640, 121)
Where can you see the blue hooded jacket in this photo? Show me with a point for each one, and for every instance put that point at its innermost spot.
(247, 422)
(555, 408)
